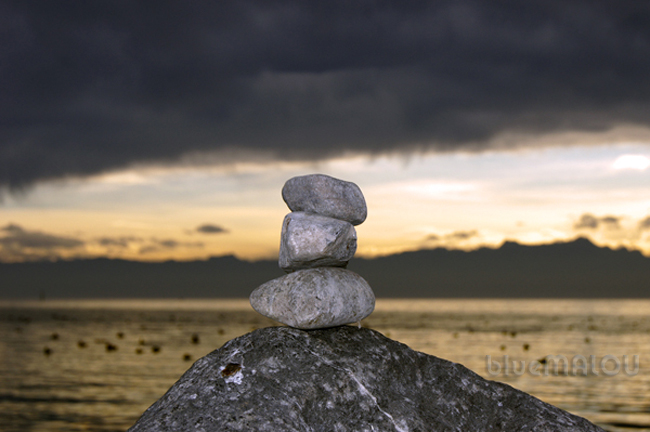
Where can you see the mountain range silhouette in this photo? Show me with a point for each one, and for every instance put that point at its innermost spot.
(574, 269)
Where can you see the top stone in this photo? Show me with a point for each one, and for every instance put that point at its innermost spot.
(326, 196)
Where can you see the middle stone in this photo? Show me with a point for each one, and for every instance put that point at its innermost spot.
(309, 240)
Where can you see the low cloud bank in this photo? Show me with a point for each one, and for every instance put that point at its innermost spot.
(102, 86)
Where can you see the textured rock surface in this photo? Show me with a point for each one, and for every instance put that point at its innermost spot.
(326, 196)
(315, 298)
(310, 240)
(342, 379)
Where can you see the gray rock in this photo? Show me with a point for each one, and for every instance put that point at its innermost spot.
(310, 240)
(315, 298)
(326, 196)
(342, 379)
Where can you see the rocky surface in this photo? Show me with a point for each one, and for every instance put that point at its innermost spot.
(315, 298)
(342, 379)
(310, 240)
(326, 196)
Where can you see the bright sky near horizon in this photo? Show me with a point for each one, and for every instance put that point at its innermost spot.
(167, 133)
(456, 200)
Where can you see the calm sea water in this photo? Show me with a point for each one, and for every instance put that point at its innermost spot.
(97, 365)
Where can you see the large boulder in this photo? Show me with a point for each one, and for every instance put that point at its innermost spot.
(342, 379)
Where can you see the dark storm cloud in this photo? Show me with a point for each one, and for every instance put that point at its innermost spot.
(644, 224)
(17, 238)
(143, 245)
(586, 221)
(589, 221)
(611, 221)
(454, 237)
(92, 86)
(156, 245)
(211, 229)
(462, 235)
(121, 242)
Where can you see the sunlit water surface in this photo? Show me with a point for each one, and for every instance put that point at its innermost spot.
(97, 365)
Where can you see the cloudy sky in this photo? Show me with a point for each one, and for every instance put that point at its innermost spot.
(166, 131)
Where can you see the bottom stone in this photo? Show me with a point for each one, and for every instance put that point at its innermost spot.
(315, 298)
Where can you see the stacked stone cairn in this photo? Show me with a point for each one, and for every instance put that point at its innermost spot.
(318, 239)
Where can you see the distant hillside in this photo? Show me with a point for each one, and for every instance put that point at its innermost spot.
(107, 278)
(576, 269)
